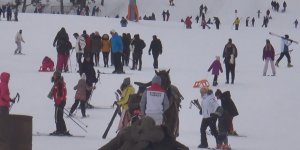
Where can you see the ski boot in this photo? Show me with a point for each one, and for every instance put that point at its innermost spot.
(290, 65)
(203, 146)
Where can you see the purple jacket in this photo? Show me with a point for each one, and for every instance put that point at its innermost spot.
(216, 67)
(269, 52)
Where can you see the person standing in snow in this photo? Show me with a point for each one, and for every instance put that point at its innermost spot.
(188, 22)
(229, 54)
(59, 94)
(61, 42)
(285, 43)
(296, 23)
(156, 48)
(229, 109)
(268, 56)
(168, 15)
(284, 6)
(236, 23)
(164, 15)
(96, 47)
(105, 49)
(216, 67)
(253, 21)
(19, 40)
(139, 45)
(79, 47)
(154, 101)
(117, 51)
(5, 99)
(209, 106)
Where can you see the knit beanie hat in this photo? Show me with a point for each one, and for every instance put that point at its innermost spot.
(156, 79)
(126, 81)
(218, 93)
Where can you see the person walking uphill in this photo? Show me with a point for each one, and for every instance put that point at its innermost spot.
(117, 51)
(59, 94)
(156, 48)
(285, 43)
(229, 54)
(155, 101)
(18, 40)
(61, 42)
(216, 67)
(268, 56)
(5, 99)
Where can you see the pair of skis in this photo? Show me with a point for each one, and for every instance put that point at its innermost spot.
(277, 35)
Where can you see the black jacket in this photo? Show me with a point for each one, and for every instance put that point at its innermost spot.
(228, 105)
(155, 46)
(139, 45)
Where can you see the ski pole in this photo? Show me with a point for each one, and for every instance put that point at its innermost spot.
(76, 118)
(14, 99)
(76, 122)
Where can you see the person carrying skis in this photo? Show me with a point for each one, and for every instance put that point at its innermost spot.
(5, 99)
(127, 90)
(215, 67)
(229, 108)
(156, 48)
(59, 94)
(19, 40)
(285, 43)
(155, 101)
(80, 95)
(209, 106)
(268, 56)
(229, 54)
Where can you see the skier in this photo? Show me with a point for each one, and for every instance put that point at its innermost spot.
(236, 23)
(80, 95)
(19, 40)
(123, 22)
(296, 23)
(156, 48)
(127, 90)
(285, 43)
(155, 101)
(61, 41)
(229, 108)
(5, 99)
(268, 56)
(59, 94)
(209, 106)
(79, 46)
(139, 45)
(216, 67)
(105, 42)
(117, 51)
(229, 54)
(96, 47)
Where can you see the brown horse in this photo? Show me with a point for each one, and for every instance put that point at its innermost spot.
(171, 115)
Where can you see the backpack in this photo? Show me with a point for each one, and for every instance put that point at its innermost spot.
(47, 65)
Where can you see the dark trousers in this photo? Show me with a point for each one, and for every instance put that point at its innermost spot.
(4, 110)
(105, 58)
(137, 59)
(125, 58)
(230, 68)
(78, 58)
(155, 59)
(286, 54)
(96, 57)
(59, 117)
(211, 123)
(75, 105)
(117, 62)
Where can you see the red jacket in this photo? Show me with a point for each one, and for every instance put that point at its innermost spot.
(4, 91)
(58, 99)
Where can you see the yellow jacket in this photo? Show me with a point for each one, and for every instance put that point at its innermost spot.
(123, 102)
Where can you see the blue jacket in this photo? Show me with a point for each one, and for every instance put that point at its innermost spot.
(116, 44)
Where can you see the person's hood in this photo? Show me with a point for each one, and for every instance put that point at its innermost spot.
(4, 77)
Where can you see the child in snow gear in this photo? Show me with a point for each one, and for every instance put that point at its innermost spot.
(268, 56)
(216, 67)
(80, 95)
(156, 48)
(5, 99)
(229, 54)
(47, 64)
(123, 22)
(285, 43)
(127, 90)
(59, 94)
(18, 40)
(222, 140)
(229, 108)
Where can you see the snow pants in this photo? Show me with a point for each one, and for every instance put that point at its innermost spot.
(59, 118)
(62, 62)
(267, 60)
(211, 123)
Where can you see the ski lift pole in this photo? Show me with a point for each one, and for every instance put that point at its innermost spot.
(68, 112)
(76, 122)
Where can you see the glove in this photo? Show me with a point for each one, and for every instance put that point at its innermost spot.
(12, 100)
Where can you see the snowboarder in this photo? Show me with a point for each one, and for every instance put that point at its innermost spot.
(139, 45)
(154, 101)
(285, 43)
(215, 67)
(209, 106)
(59, 94)
(105, 49)
(5, 99)
(268, 56)
(156, 48)
(127, 90)
(229, 109)
(19, 40)
(229, 54)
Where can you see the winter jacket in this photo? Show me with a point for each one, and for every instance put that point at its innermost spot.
(4, 91)
(216, 67)
(139, 45)
(19, 38)
(229, 50)
(154, 100)
(88, 42)
(285, 45)
(116, 44)
(209, 104)
(268, 52)
(59, 96)
(188, 22)
(155, 47)
(123, 102)
(236, 21)
(96, 43)
(228, 105)
(61, 40)
(88, 68)
(105, 42)
(81, 89)
(80, 44)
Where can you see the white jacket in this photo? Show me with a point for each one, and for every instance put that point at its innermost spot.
(80, 41)
(209, 105)
(19, 38)
(284, 42)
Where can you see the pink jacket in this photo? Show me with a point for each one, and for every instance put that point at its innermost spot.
(4, 91)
